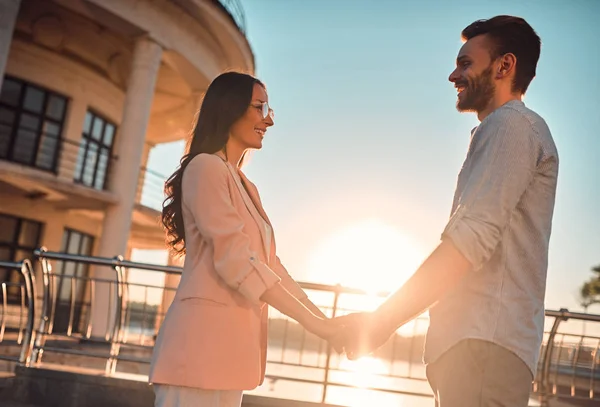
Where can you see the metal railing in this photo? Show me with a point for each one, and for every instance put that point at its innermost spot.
(569, 366)
(16, 328)
(235, 10)
(85, 165)
(133, 310)
(107, 289)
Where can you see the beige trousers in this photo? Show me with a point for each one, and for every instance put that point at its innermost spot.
(176, 396)
(476, 373)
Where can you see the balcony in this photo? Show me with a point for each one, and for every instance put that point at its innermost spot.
(235, 10)
(78, 179)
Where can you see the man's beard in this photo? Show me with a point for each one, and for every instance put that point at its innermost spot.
(478, 92)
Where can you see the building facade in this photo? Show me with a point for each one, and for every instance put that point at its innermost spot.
(87, 89)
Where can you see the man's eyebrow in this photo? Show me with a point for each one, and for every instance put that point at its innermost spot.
(260, 100)
(462, 58)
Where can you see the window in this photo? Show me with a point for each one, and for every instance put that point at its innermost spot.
(93, 160)
(71, 281)
(18, 239)
(31, 124)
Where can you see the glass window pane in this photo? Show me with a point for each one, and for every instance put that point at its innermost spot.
(29, 234)
(82, 270)
(34, 99)
(5, 255)
(47, 152)
(74, 242)
(97, 130)
(68, 269)
(80, 159)
(101, 170)
(5, 132)
(50, 128)
(90, 164)
(86, 245)
(87, 125)
(66, 280)
(11, 92)
(24, 148)
(109, 132)
(7, 116)
(29, 122)
(56, 107)
(65, 240)
(8, 229)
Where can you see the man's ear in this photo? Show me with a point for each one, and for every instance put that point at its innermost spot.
(507, 64)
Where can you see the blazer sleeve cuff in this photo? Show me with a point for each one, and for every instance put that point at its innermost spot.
(259, 280)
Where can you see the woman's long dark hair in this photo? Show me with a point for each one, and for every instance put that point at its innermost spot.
(226, 100)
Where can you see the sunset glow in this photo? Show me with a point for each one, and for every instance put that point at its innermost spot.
(370, 255)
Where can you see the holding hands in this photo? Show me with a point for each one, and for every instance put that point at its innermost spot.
(361, 334)
(355, 334)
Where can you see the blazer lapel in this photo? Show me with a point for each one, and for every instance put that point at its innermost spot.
(253, 192)
(255, 197)
(251, 202)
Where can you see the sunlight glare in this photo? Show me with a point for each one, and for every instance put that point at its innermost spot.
(370, 255)
(364, 371)
(365, 374)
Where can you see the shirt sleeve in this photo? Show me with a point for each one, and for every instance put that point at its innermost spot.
(501, 167)
(206, 194)
(287, 281)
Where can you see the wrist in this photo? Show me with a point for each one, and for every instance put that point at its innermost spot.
(384, 322)
(309, 320)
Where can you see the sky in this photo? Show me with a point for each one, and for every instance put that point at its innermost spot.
(358, 173)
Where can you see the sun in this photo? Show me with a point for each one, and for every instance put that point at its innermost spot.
(370, 255)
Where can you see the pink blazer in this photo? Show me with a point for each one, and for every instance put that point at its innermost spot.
(214, 335)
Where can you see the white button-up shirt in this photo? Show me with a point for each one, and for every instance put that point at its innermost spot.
(501, 222)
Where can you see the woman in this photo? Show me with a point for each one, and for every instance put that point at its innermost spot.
(212, 343)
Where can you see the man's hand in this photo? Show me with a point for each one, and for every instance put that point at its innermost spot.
(362, 333)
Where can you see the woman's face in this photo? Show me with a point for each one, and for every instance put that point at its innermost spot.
(250, 129)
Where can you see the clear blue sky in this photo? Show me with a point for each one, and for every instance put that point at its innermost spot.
(366, 129)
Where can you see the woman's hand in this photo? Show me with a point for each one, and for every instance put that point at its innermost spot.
(326, 328)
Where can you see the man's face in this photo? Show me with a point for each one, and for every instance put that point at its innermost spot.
(473, 75)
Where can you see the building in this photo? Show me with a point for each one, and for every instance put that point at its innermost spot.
(87, 89)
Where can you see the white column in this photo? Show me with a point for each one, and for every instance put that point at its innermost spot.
(9, 9)
(142, 176)
(125, 170)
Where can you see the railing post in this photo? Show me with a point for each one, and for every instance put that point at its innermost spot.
(115, 340)
(328, 358)
(27, 347)
(545, 379)
(45, 323)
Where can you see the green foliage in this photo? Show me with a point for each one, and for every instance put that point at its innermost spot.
(589, 293)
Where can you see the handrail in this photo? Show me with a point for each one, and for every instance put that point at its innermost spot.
(551, 365)
(104, 261)
(565, 315)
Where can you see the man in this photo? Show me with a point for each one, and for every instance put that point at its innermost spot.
(484, 285)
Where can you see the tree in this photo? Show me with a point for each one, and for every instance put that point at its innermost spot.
(589, 293)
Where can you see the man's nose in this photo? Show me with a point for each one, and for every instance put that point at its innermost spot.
(454, 76)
